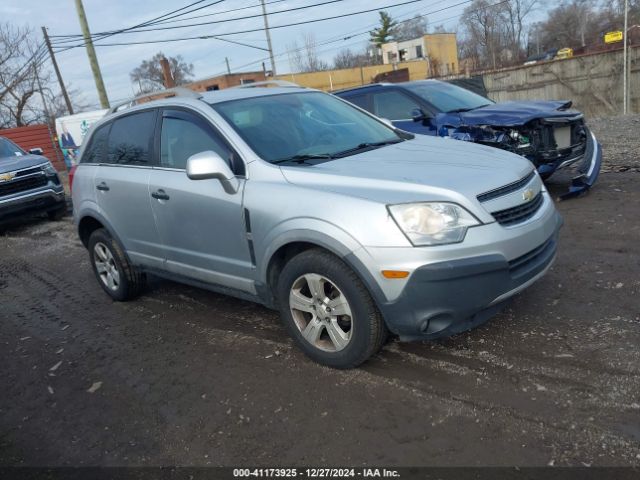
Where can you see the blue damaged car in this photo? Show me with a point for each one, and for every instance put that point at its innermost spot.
(548, 133)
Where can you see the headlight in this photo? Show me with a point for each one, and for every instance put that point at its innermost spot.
(433, 223)
(49, 170)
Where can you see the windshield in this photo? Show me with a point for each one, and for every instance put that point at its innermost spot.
(303, 125)
(446, 97)
(9, 149)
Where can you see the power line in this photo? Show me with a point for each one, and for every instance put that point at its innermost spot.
(75, 36)
(104, 35)
(354, 33)
(236, 19)
(408, 2)
(139, 25)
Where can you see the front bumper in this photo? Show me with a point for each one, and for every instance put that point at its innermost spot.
(45, 200)
(588, 168)
(451, 296)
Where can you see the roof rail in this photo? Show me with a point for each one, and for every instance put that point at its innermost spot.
(168, 93)
(266, 83)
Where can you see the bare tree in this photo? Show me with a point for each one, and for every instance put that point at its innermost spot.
(20, 101)
(347, 58)
(415, 27)
(484, 31)
(148, 75)
(305, 58)
(514, 13)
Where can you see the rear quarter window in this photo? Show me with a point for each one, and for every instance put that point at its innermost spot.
(97, 148)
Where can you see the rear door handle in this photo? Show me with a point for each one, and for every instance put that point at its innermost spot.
(103, 187)
(160, 195)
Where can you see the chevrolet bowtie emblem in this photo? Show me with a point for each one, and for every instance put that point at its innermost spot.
(6, 177)
(528, 195)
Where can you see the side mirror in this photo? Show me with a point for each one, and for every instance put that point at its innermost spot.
(418, 115)
(209, 164)
(388, 122)
(36, 151)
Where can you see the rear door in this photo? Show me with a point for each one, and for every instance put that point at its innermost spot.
(201, 226)
(122, 186)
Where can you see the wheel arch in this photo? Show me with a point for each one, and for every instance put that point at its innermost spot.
(295, 242)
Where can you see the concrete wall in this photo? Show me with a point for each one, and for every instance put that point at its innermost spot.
(592, 82)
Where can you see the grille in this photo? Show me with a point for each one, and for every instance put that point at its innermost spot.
(521, 213)
(28, 171)
(17, 186)
(512, 187)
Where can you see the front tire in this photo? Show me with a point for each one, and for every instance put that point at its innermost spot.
(328, 311)
(117, 277)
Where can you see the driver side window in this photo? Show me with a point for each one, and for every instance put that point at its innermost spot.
(393, 105)
(180, 138)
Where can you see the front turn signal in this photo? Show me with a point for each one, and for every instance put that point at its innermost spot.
(395, 273)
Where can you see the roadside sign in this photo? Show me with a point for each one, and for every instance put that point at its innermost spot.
(613, 37)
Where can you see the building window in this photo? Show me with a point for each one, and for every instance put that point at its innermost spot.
(244, 81)
(419, 51)
(213, 87)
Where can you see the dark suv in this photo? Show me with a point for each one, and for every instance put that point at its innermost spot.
(28, 183)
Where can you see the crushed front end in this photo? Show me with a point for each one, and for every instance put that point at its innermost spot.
(549, 142)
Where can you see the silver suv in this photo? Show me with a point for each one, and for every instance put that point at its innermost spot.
(298, 200)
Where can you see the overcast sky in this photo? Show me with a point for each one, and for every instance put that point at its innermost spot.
(207, 56)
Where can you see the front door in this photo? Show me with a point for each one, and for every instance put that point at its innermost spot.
(398, 107)
(201, 226)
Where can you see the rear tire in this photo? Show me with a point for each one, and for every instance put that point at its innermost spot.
(328, 311)
(117, 277)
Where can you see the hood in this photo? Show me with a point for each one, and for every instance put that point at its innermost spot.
(9, 164)
(508, 114)
(420, 169)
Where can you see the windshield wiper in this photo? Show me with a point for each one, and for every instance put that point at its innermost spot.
(367, 145)
(302, 157)
(461, 110)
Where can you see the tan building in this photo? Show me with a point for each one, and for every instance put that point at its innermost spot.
(440, 50)
(225, 81)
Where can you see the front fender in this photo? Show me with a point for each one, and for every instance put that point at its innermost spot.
(302, 229)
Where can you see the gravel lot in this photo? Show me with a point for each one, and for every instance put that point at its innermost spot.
(187, 377)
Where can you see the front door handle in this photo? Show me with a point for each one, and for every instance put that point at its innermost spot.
(160, 195)
(102, 187)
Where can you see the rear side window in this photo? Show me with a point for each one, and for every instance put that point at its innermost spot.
(97, 148)
(393, 105)
(131, 139)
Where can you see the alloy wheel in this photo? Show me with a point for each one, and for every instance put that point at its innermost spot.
(321, 312)
(106, 266)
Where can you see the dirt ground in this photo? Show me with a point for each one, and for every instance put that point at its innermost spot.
(187, 377)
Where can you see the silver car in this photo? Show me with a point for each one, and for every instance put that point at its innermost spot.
(298, 200)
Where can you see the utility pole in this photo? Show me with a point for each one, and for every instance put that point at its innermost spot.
(625, 59)
(228, 68)
(169, 82)
(91, 53)
(266, 29)
(47, 114)
(57, 70)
